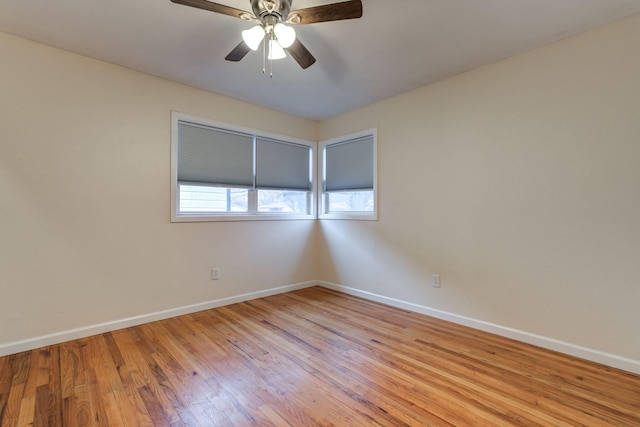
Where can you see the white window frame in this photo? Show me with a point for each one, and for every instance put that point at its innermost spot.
(323, 204)
(253, 214)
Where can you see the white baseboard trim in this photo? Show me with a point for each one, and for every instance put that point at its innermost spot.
(597, 356)
(86, 331)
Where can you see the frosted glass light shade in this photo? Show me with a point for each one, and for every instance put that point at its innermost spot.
(275, 50)
(253, 37)
(286, 35)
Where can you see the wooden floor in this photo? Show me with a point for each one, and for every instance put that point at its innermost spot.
(305, 358)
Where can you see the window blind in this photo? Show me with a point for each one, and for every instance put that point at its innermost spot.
(208, 155)
(349, 165)
(282, 165)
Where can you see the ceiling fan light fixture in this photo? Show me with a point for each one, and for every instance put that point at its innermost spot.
(273, 18)
(253, 36)
(275, 50)
(286, 35)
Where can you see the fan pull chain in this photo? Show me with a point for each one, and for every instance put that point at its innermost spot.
(264, 55)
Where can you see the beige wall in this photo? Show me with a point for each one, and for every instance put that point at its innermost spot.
(85, 236)
(518, 183)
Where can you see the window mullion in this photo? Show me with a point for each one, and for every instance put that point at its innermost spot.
(253, 201)
(253, 193)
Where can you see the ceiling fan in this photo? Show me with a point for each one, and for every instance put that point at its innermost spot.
(274, 19)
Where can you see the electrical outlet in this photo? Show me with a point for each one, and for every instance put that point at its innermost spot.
(435, 280)
(215, 273)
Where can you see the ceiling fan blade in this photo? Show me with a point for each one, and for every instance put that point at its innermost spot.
(213, 7)
(330, 12)
(301, 54)
(238, 52)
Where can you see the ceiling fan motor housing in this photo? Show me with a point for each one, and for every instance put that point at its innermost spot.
(275, 8)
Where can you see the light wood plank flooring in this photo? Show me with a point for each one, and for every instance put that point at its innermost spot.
(313, 357)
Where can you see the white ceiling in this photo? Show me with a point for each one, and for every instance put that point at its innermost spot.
(397, 46)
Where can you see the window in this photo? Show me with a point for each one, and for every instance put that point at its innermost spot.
(223, 172)
(348, 166)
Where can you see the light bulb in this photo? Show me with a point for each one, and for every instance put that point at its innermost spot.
(275, 50)
(286, 35)
(253, 37)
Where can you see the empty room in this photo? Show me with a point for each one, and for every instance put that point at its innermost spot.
(310, 212)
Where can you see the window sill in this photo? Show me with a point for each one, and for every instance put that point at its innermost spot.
(240, 217)
(356, 216)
